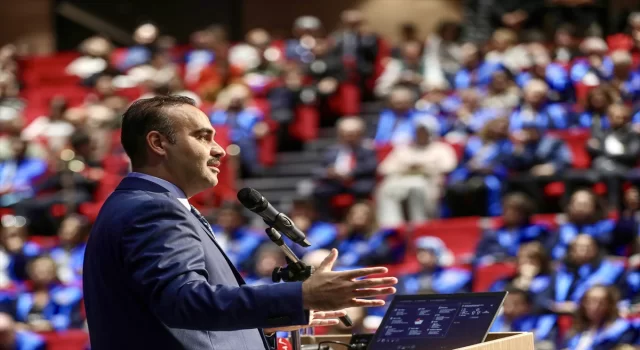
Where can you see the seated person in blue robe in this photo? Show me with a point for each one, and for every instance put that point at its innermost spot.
(482, 171)
(434, 276)
(583, 267)
(475, 71)
(468, 118)
(554, 74)
(362, 243)
(268, 257)
(597, 324)
(19, 173)
(594, 69)
(15, 251)
(518, 316)
(396, 123)
(624, 79)
(69, 253)
(246, 124)
(536, 107)
(233, 234)
(517, 228)
(12, 338)
(48, 306)
(538, 159)
(594, 117)
(533, 274)
(585, 214)
(320, 233)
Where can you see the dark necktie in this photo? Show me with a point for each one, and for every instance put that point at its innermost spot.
(202, 220)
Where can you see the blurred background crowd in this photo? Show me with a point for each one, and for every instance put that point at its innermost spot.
(500, 152)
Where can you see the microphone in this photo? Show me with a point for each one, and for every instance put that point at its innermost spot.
(254, 201)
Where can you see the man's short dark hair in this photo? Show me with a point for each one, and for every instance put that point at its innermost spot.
(526, 295)
(144, 116)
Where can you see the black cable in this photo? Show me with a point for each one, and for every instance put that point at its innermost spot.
(348, 346)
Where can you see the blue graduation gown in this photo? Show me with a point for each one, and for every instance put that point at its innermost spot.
(619, 332)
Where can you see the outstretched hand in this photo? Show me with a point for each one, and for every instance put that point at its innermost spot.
(316, 319)
(332, 290)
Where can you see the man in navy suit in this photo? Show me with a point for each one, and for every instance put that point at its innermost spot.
(154, 274)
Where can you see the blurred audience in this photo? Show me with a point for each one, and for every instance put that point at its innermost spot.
(414, 173)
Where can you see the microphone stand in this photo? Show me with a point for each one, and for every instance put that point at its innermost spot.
(295, 271)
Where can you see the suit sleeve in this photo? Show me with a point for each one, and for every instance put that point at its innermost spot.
(164, 258)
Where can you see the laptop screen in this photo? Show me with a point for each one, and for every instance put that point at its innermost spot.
(437, 321)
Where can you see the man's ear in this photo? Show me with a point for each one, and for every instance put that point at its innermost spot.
(157, 143)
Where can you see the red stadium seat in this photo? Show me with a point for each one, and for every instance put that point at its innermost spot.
(67, 340)
(485, 276)
(306, 123)
(460, 235)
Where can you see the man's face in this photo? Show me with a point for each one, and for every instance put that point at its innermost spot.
(194, 158)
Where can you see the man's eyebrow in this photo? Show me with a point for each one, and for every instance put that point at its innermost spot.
(204, 131)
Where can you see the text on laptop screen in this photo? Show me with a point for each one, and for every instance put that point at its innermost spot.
(442, 323)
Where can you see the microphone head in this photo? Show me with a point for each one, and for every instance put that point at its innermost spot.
(252, 199)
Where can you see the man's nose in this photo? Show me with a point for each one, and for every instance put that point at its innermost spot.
(217, 151)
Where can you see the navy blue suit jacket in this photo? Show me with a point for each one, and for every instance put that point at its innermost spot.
(154, 278)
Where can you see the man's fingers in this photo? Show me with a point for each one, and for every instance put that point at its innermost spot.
(327, 263)
(319, 315)
(373, 292)
(367, 302)
(328, 322)
(363, 272)
(375, 282)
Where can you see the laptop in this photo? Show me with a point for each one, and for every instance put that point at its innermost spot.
(437, 321)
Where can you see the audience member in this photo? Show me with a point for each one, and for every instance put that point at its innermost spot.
(596, 67)
(442, 55)
(245, 123)
(481, 171)
(19, 173)
(583, 267)
(537, 160)
(506, 51)
(517, 229)
(13, 338)
(502, 94)
(267, 258)
(585, 215)
(396, 123)
(613, 153)
(416, 174)
(305, 216)
(624, 80)
(69, 253)
(11, 105)
(434, 277)
(348, 167)
(238, 240)
(53, 129)
(357, 46)
(47, 306)
(536, 107)
(518, 316)
(468, 118)
(326, 71)
(95, 58)
(145, 37)
(74, 182)
(565, 42)
(553, 73)
(533, 274)
(475, 71)
(305, 31)
(363, 243)
(16, 251)
(597, 324)
(406, 70)
(594, 116)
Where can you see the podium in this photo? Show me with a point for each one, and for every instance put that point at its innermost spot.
(494, 341)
